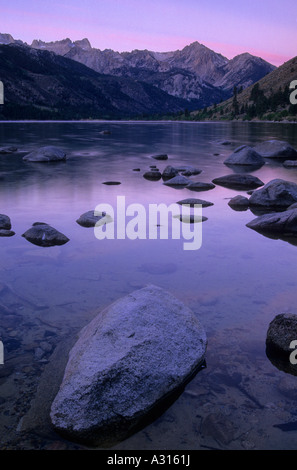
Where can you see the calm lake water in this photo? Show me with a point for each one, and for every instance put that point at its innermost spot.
(236, 283)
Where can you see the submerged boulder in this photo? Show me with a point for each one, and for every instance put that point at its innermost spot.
(42, 234)
(245, 155)
(46, 154)
(239, 181)
(276, 149)
(277, 193)
(131, 357)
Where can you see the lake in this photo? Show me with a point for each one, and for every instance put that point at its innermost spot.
(236, 283)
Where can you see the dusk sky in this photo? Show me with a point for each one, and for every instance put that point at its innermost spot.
(266, 28)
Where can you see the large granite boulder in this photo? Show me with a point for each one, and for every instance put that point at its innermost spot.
(132, 357)
(277, 194)
(276, 149)
(46, 154)
(282, 224)
(245, 155)
(239, 181)
(42, 234)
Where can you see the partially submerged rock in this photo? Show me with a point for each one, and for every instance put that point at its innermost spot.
(90, 218)
(276, 149)
(200, 186)
(152, 175)
(44, 235)
(5, 223)
(281, 332)
(277, 194)
(245, 155)
(191, 218)
(188, 170)
(239, 203)
(290, 164)
(7, 150)
(169, 172)
(119, 370)
(6, 233)
(194, 202)
(160, 157)
(46, 154)
(280, 224)
(239, 181)
(178, 180)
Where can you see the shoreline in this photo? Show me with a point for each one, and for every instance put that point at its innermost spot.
(96, 121)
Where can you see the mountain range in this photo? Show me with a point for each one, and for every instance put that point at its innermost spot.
(192, 78)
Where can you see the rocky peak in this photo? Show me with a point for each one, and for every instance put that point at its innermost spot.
(8, 39)
(83, 44)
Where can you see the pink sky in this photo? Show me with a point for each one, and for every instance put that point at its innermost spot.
(230, 27)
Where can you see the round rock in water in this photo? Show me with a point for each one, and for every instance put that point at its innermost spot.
(275, 194)
(169, 172)
(132, 357)
(199, 186)
(46, 154)
(44, 235)
(6, 233)
(276, 149)
(153, 175)
(239, 203)
(245, 155)
(160, 157)
(89, 219)
(178, 181)
(5, 223)
(195, 202)
(281, 332)
(238, 181)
